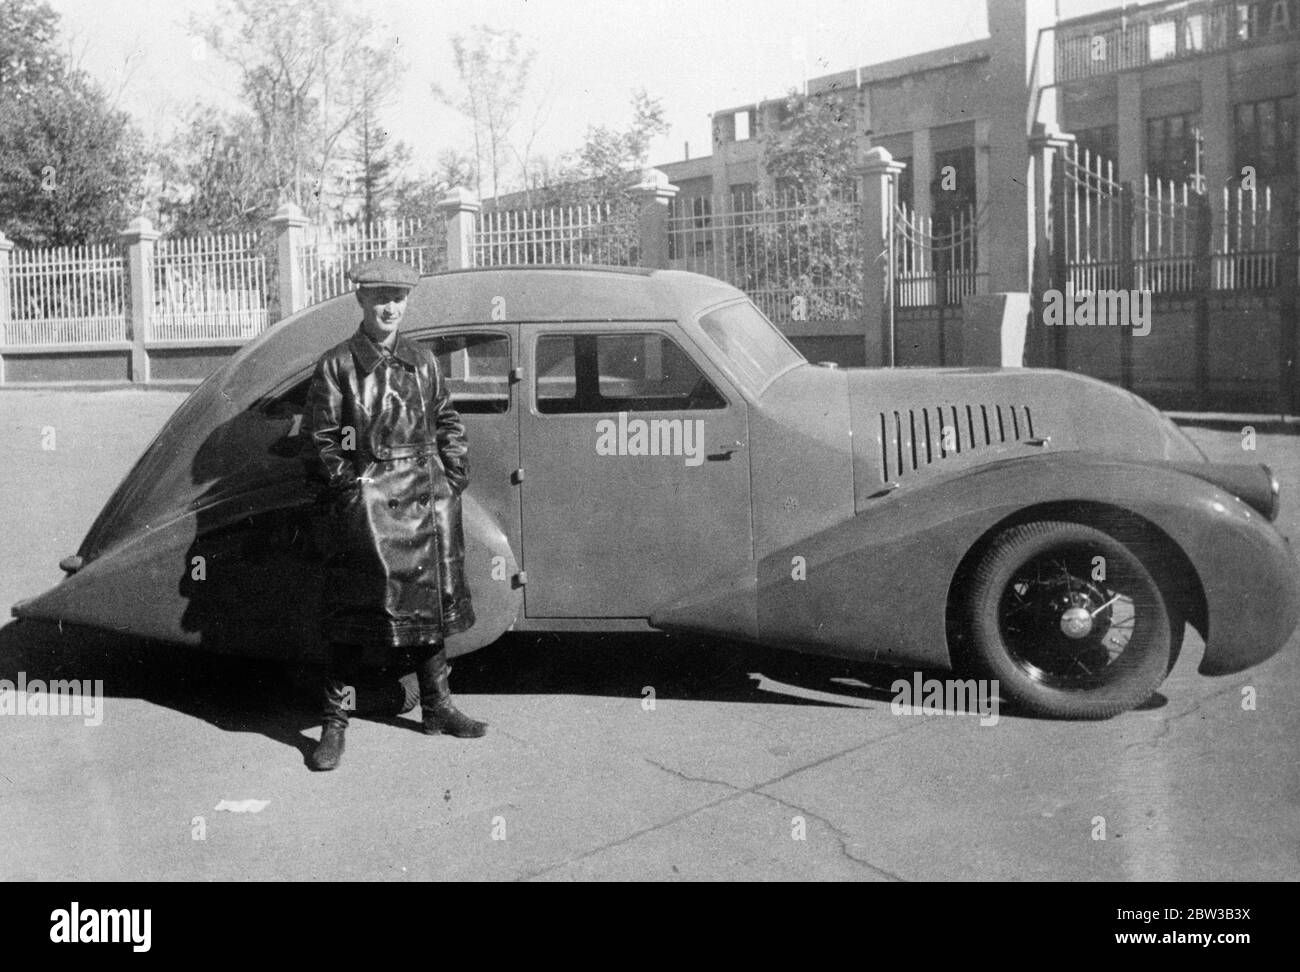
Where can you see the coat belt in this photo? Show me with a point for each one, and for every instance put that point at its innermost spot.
(404, 450)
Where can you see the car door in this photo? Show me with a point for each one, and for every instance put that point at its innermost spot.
(634, 476)
(479, 364)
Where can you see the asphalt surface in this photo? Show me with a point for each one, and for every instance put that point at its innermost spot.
(746, 767)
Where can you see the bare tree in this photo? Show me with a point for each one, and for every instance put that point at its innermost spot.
(493, 73)
(306, 72)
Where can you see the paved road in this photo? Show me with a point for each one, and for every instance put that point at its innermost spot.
(740, 771)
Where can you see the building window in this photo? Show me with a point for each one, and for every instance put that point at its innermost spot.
(1172, 146)
(1265, 137)
(1162, 40)
(690, 218)
(905, 183)
(742, 126)
(952, 191)
(1100, 141)
(1266, 18)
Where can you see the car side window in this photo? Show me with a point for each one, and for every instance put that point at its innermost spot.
(619, 372)
(476, 368)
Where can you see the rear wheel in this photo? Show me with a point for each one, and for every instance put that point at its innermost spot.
(1069, 621)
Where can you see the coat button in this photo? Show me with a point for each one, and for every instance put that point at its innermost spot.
(392, 504)
(424, 499)
(422, 461)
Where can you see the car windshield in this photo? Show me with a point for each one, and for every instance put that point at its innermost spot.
(750, 342)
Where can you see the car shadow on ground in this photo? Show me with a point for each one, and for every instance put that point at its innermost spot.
(279, 701)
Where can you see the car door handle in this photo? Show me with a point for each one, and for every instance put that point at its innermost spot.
(725, 454)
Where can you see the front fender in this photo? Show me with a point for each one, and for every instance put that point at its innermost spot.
(877, 586)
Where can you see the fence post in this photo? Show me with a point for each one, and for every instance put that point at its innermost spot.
(462, 208)
(6, 312)
(1126, 278)
(1203, 271)
(1288, 282)
(1045, 145)
(139, 238)
(288, 224)
(879, 175)
(653, 194)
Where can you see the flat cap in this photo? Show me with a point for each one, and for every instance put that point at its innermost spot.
(384, 272)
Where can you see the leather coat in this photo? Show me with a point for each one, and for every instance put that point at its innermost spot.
(387, 453)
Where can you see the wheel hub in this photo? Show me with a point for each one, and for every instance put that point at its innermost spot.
(1076, 622)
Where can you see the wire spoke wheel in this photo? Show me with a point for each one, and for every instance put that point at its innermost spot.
(1069, 620)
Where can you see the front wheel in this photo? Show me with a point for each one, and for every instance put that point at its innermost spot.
(1068, 620)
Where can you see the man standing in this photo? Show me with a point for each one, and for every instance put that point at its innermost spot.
(388, 453)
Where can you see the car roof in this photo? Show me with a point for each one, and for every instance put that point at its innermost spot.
(562, 293)
(476, 297)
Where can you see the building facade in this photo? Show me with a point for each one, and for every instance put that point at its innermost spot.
(1182, 90)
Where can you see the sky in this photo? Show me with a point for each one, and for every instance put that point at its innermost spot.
(696, 56)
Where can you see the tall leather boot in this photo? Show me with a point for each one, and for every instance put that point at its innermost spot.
(334, 713)
(438, 713)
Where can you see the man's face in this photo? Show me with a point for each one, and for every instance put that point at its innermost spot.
(382, 308)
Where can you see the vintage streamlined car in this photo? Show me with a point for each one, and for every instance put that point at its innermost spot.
(648, 452)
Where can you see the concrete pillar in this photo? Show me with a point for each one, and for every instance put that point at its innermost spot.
(922, 172)
(461, 207)
(1011, 85)
(653, 194)
(1131, 140)
(879, 184)
(139, 238)
(1297, 120)
(718, 161)
(6, 311)
(1218, 143)
(983, 238)
(289, 225)
(1044, 145)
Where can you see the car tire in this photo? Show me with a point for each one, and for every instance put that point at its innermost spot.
(1061, 642)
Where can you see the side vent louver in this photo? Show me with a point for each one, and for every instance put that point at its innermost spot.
(912, 439)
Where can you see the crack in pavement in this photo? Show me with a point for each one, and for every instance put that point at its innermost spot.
(1167, 727)
(839, 834)
(736, 792)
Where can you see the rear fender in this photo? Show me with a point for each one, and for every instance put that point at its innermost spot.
(247, 581)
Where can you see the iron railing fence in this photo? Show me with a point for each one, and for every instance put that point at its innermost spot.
(936, 257)
(1248, 246)
(797, 258)
(330, 250)
(1163, 237)
(209, 287)
(66, 295)
(594, 233)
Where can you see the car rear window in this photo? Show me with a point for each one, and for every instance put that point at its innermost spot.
(750, 342)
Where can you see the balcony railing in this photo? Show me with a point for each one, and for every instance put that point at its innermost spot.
(1162, 32)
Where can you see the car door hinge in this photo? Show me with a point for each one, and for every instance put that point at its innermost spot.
(516, 374)
(520, 579)
(518, 475)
